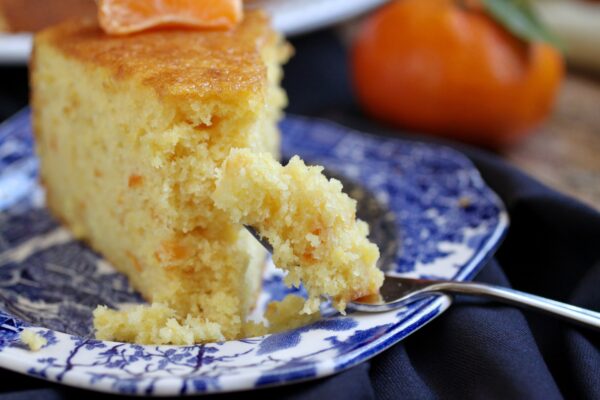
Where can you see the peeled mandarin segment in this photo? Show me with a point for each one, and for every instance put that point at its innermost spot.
(128, 16)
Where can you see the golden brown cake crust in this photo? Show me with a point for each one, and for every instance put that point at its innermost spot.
(175, 63)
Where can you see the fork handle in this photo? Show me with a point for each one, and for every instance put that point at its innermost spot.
(566, 312)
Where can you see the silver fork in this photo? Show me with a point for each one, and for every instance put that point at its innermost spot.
(398, 292)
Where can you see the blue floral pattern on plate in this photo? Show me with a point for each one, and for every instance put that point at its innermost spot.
(447, 220)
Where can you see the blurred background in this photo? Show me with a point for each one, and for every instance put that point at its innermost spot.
(519, 78)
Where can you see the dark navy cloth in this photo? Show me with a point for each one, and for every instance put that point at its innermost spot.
(475, 350)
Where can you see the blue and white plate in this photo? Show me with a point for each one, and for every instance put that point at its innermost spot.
(429, 210)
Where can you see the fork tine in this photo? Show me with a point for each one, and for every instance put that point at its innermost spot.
(395, 292)
(258, 237)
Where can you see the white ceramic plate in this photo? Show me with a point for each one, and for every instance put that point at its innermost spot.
(15, 48)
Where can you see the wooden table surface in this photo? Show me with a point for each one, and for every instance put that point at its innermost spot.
(565, 152)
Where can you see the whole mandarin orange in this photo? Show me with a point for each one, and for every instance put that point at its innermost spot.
(437, 67)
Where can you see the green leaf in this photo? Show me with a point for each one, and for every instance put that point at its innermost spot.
(518, 17)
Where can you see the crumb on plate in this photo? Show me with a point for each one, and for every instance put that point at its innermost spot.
(33, 340)
(282, 316)
(153, 324)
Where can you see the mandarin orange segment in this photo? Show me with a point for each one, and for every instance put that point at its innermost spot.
(128, 16)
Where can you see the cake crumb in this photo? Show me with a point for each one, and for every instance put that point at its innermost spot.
(33, 340)
(309, 221)
(282, 316)
(153, 324)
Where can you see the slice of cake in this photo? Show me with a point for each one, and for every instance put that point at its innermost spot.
(310, 223)
(130, 131)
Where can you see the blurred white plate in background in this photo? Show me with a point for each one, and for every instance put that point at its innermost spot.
(292, 17)
(15, 48)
